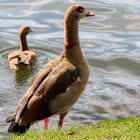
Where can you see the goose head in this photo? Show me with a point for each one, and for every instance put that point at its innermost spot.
(24, 30)
(77, 12)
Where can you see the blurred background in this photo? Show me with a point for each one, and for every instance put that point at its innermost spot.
(110, 42)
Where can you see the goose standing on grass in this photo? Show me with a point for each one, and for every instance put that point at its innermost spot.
(59, 84)
(24, 55)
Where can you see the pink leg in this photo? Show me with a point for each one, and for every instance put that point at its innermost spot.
(46, 123)
(61, 119)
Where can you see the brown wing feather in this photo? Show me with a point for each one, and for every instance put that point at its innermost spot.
(42, 74)
(57, 82)
(24, 57)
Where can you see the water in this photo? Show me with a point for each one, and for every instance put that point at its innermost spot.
(110, 42)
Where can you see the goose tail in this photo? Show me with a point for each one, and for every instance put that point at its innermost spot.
(16, 128)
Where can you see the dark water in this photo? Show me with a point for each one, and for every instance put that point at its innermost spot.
(110, 41)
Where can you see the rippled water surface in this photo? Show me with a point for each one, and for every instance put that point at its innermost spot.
(110, 42)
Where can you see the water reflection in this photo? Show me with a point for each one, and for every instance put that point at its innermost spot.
(22, 74)
(110, 42)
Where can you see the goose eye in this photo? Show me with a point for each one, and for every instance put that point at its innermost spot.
(80, 9)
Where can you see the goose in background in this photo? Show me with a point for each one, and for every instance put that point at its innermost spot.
(24, 55)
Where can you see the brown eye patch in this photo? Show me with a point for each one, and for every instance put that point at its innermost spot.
(80, 9)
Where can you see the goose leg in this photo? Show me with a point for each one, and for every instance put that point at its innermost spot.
(46, 123)
(61, 119)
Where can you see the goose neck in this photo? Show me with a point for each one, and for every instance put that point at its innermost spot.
(71, 36)
(23, 43)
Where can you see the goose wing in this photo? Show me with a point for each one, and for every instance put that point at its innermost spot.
(42, 74)
(34, 105)
(24, 57)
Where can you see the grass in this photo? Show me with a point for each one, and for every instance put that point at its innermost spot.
(121, 129)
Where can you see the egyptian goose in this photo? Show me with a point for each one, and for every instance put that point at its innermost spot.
(24, 55)
(59, 84)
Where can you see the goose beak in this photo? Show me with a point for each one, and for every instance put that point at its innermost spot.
(31, 30)
(90, 14)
